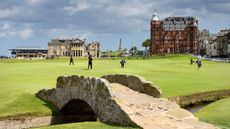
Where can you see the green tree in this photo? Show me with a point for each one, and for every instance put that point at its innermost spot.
(146, 44)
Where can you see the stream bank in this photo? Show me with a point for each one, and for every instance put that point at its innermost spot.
(200, 98)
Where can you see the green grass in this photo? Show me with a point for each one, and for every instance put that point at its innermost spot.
(21, 79)
(217, 113)
(86, 125)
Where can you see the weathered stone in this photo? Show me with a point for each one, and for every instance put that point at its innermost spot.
(113, 102)
(63, 82)
(155, 113)
(29, 122)
(200, 97)
(94, 91)
(135, 83)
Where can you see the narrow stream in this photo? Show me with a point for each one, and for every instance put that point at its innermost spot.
(195, 108)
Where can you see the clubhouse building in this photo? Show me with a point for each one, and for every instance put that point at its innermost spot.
(73, 47)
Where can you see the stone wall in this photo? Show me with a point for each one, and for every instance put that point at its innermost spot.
(94, 91)
(135, 83)
(29, 122)
(199, 98)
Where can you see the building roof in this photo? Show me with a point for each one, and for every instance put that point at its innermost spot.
(28, 48)
(77, 40)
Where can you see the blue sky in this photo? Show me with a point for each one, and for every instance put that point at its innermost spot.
(36, 22)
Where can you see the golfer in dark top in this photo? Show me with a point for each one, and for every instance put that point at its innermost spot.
(199, 64)
(122, 63)
(71, 60)
(90, 62)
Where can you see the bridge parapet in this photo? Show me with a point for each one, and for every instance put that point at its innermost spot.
(135, 83)
(98, 85)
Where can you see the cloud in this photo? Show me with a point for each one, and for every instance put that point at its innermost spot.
(10, 12)
(78, 17)
(85, 35)
(2, 34)
(35, 3)
(131, 9)
(5, 26)
(8, 34)
(78, 6)
(26, 33)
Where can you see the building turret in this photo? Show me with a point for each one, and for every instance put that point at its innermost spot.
(154, 18)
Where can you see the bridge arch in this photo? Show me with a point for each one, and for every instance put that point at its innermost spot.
(77, 110)
(95, 93)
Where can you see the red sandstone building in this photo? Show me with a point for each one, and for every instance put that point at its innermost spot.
(174, 35)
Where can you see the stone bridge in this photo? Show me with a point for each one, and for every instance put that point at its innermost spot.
(121, 99)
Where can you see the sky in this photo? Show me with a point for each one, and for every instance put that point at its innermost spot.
(36, 22)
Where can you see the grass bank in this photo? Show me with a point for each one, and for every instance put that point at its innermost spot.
(86, 125)
(217, 113)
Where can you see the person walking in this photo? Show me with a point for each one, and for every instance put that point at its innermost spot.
(90, 62)
(122, 63)
(199, 64)
(191, 61)
(71, 61)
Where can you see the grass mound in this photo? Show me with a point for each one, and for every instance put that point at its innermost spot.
(217, 113)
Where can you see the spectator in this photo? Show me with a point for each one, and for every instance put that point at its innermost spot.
(90, 62)
(71, 60)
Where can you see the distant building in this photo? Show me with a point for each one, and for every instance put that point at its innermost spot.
(203, 41)
(92, 48)
(73, 47)
(219, 45)
(228, 41)
(174, 35)
(29, 52)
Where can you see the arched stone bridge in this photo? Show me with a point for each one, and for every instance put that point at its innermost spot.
(118, 99)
